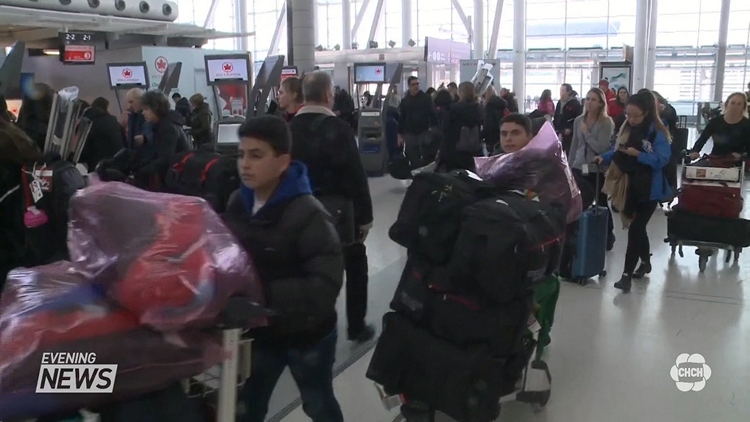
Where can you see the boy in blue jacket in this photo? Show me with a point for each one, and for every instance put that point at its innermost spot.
(638, 159)
(297, 253)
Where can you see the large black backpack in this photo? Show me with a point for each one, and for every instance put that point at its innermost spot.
(506, 244)
(205, 174)
(430, 216)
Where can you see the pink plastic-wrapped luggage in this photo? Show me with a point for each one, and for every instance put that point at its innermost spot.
(541, 167)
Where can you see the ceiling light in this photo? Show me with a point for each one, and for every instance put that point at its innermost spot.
(51, 52)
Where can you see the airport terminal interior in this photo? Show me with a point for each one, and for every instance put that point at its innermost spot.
(613, 357)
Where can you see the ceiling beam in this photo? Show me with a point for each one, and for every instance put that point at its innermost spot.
(33, 34)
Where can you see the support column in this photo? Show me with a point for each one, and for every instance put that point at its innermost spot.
(721, 57)
(651, 59)
(519, 51)
(301, 34)
(478, 37)
(494, 38)
(376, 22)
(346, 24)
(240, 23)
(406, 23)
(641, 45)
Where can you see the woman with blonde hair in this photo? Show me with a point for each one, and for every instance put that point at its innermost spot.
(729, 131)
(592, 136)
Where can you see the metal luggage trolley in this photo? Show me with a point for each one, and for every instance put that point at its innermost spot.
(219, 385)
(705, 250)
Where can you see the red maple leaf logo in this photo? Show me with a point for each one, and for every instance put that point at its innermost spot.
(127, 73)
(378, 71)
(161, 64)
(227, 67)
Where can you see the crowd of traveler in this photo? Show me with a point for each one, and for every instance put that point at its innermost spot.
(298, 170)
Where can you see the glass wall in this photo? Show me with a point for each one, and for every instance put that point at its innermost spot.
(566, 39)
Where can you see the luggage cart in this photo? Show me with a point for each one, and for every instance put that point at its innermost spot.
(219, 385)
(706, 249)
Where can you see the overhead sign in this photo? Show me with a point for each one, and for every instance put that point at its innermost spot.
(441, 51)
(79, 54)
(289, 72)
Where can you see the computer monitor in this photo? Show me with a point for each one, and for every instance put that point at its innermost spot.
(227, 133)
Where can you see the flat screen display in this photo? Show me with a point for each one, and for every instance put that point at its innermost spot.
(127, 75)
(227, 133)
(369, 73)
(227, 70)
(79, 54)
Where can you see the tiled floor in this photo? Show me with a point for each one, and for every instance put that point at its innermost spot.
(611, 354)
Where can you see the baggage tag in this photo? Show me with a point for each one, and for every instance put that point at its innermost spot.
(585, 169)
(36, 190)
(389, 402)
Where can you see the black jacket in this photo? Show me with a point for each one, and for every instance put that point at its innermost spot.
(566, 113)
(105, 139)
(200, 125)
(298, 256)
(494, 111)
(460, 114)
(416, 114)
(182, 107)
(153, 157)
(335, 167)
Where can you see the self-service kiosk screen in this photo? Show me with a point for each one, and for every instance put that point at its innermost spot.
(227, 133)
(127, 75)
(220, 70)
(369, 73)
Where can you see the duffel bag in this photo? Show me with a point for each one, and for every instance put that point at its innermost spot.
(465, 383)
(505, 245)
(682, 225)
(712, 199)
(213, 177)
(430, 215)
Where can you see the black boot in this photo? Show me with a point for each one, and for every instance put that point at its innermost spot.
(624, 283)
(643, 269)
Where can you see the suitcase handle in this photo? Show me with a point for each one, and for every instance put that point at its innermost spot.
(682, 122)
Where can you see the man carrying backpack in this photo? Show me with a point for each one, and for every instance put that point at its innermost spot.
(327, 146)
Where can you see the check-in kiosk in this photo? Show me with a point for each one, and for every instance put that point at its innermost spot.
(371, 126)
(126, 76)
(171, 78)
(15, 85)
(229, 77)
(266, 83)
(225, 134)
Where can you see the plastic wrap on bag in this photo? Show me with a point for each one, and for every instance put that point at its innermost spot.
(541, 166)
(167, 258)
(54, 308)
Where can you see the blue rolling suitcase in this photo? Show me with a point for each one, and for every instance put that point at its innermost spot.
(590, 245)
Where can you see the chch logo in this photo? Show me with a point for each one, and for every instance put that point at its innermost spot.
(227, 67)
(690, 372)
(161, 64)
(127, 73)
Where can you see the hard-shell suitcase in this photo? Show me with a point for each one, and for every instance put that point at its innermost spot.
(591, 245)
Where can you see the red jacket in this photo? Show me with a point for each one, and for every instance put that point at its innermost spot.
(614, 108)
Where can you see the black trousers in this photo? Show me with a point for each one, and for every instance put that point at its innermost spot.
(639, 247)
(357, 276)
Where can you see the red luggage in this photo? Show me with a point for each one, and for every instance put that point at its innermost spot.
(712, 199)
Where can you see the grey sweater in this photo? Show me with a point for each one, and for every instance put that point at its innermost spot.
(585, 147)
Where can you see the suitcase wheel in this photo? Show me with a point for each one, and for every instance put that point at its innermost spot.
(603, 274)
(582, 281)
(702, 261)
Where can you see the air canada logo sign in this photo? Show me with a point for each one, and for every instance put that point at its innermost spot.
(127, 73)
(161, 64)
(227, 67)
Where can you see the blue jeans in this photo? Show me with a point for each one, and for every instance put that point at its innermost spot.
(312, 369)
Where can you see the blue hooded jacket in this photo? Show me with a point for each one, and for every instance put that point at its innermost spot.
(294, 183)
(657, 157)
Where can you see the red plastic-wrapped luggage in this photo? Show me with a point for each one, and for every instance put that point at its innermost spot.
(712, 199)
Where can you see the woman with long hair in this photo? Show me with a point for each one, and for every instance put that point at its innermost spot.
(592, 136)
(466, 113)
(730, 131)
(546, 105)
(635, 179)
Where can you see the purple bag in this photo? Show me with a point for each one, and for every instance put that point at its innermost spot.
(541, 167)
